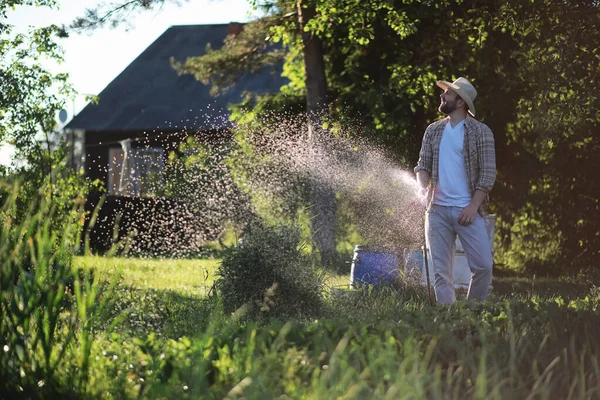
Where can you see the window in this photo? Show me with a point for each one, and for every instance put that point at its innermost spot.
(148, 171)
(135, 172)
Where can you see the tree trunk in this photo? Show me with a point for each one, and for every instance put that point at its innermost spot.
(322, 199)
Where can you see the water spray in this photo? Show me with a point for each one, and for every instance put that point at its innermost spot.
(212, 181)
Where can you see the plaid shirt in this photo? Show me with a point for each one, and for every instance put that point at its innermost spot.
(478, 151)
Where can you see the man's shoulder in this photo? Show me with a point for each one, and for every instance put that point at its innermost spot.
(475, 123)
(477, 126)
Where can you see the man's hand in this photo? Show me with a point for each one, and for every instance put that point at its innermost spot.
(423, 179)
(468, 214)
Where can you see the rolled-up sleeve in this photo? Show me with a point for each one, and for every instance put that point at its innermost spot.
(487, 160)
(426, 154)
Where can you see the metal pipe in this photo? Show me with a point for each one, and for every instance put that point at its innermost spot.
(427, 266)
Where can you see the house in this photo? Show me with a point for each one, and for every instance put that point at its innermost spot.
(144, 113)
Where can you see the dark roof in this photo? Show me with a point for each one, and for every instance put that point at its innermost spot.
(150, 95)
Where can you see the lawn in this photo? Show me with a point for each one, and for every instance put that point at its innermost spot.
(189, 277)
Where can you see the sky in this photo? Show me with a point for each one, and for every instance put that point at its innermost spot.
(94, 59)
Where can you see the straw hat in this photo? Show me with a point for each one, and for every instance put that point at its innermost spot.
(464, 89)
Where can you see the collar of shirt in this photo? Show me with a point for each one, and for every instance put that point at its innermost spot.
(457, 126)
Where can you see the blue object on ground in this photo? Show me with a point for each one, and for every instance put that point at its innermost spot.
(373, 267)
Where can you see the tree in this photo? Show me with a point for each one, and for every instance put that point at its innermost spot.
(323, 202)
(553, 220)
(31, 96)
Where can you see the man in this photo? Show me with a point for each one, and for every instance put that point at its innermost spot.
(457, 169)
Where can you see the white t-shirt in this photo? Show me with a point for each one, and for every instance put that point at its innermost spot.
(452, 188)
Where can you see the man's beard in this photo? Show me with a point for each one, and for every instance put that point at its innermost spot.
(448, 107)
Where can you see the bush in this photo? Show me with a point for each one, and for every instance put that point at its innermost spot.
(269, 271)
(62, 190)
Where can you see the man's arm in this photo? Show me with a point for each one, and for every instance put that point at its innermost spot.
(487, 176)
(486, 150)
(425, 163)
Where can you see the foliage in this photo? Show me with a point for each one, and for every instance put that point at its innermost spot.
(552, 139)
(114, 14)
(61, 187)
(47, 308)
(537, 105)
(421, 356)
(31, 95)
(155, 343)
(31, 98)
(246, 52)
(269, 271)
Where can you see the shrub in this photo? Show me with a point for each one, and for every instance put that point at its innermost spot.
(269, 270)
(28, 187)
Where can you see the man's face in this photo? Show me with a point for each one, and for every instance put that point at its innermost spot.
(449, 101)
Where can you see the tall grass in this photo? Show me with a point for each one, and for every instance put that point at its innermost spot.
(508, 349)
(47, 309)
